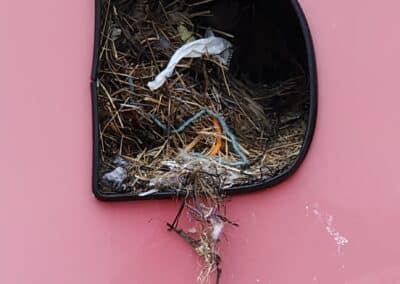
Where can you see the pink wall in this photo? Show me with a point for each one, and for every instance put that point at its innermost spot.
(54, 231)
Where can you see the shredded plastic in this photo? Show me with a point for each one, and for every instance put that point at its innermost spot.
(217, 228)
(188, 162)
(116, 177)
(119, 161)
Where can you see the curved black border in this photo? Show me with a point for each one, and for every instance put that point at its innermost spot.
(234, 190)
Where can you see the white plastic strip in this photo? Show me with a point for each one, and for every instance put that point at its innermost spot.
(211, 45)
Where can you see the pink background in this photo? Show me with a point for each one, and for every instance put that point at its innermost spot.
(54, 231)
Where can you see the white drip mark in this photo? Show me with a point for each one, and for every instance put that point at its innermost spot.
(327, 220)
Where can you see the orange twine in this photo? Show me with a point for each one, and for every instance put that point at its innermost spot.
(218, 141)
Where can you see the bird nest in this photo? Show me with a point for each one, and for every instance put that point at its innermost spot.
(204, 118)
(207, 129)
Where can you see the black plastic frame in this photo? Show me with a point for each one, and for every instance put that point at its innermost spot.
(234, 190)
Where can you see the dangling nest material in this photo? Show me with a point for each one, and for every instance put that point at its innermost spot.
(204, 131)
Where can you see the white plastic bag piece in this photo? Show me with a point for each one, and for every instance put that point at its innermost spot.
(217, 229)
(116, 177)
(211, 45)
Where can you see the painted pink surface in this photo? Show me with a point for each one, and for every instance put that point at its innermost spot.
(54, 231)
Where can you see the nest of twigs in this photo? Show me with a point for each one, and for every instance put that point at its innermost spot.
(146, 128)
(205, 130)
